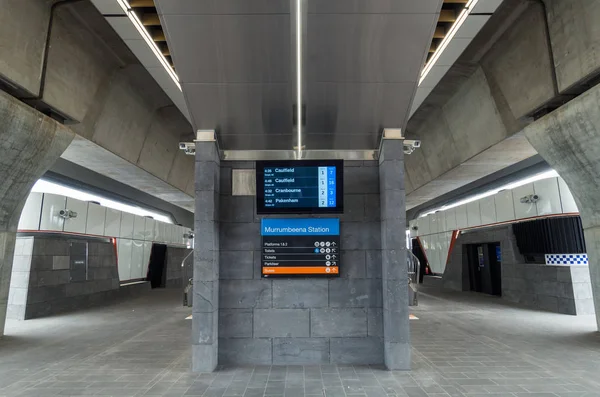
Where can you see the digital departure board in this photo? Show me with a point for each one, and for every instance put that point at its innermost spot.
(300, 247)
(303, 186)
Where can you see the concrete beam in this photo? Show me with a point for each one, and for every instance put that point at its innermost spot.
(569, 140)
(122, 112)
(29, 144)
(575, 37)
(508, 152)
(92, 156)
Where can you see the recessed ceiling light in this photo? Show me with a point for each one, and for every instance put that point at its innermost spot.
(148, 39)
(510, 186)
(448, 38)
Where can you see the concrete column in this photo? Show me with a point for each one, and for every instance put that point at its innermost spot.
(29, 144)
(569, 140)
(396, 330)
(206, 258)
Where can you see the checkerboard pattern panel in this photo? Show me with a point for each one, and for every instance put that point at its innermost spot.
(566, 259)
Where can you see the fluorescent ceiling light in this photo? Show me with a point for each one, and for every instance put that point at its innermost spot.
(148, 39)
(299, 74)
(446, 41)
(510, 186)
(44, 186)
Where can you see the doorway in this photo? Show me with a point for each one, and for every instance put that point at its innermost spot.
(418, 252)
(485, 272)
(157, 271)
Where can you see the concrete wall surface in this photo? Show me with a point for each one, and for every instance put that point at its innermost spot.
(93, 80)
(46, 281)
(302, 321)
(575, 38)
(521, 67)
(178, 275)
(560, 289)
(569, 140)
(29, 145)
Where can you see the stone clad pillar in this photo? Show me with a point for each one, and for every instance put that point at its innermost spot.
(30, 143)
(569, 140)
(205, 309)
(396, 330)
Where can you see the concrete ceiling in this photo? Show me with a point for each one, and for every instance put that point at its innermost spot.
(236, 63)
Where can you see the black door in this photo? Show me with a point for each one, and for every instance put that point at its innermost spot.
(495, 259)
(418, 252)
(484, 268)
(157, 271)
(475, 255)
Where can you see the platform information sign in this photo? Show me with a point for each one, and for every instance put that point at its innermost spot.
(300, 247)
(300, 187)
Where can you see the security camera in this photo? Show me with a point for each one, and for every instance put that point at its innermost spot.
(410, 145)
(530, 199)
(67, 214)
(188, 147)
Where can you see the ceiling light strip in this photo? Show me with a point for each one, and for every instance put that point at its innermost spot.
(510, 186)
(299, 74)
(448, 38)
(148, 39)
(45, 186)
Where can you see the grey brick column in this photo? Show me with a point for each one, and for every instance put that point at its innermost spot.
(205, 309)
(396, 330)
(30, 143)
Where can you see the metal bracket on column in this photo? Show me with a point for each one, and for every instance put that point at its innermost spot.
(206, 136)
(201, 136)
(389, 134)
(410, 145)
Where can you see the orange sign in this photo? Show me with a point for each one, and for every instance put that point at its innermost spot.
(301, 270)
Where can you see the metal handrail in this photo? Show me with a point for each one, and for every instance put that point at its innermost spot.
(189, 287)
(186, 257)
(414, 265)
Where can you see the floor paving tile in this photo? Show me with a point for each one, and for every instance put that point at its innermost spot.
(464, 345)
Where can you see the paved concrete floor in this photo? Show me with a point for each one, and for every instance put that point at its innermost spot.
(464, 345)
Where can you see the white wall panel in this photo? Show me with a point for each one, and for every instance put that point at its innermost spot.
(523, 210)
(52, 204)
(77, 224)
(445, 246)
(411, 226)
(126, 230)
(566, 197)
(146, 258)
(549, 202)
(124, 249)
(137, 258)
(442, 227)
(450, 219)
(461, 217)
(434, 223)
(139, 227)
(112, 222)
(505, 208)
(437, 254)
(149, 229)
(487, 208)
(95, 219)
(30, 216)
(424, 224)
(158, 232)
(180, 231)
(473, 214)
